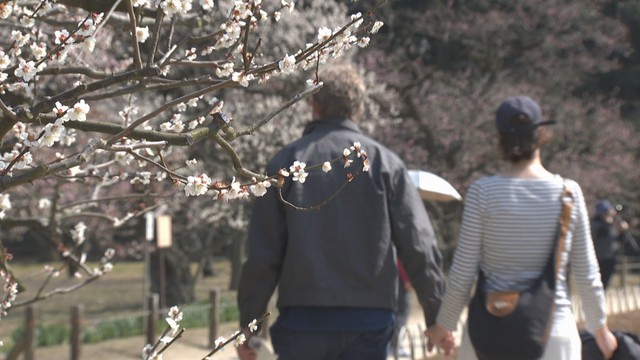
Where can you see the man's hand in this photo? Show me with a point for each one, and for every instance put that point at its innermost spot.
(245, 352)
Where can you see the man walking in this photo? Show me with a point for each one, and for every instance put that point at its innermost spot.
(335, 267)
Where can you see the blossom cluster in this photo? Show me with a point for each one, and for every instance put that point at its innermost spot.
(202, 184)
(42, 47)
(9, 292)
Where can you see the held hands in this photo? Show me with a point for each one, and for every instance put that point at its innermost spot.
(246, 352)
(441, 338)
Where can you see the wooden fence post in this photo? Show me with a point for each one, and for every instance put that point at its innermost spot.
(76, 331)
(152, 318)
(214, 317)
(30, 333)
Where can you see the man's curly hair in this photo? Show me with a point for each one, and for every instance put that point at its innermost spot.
(342, 93)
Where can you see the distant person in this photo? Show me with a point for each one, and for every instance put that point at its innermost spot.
(608, 231)
(335, 267)
(508, 227)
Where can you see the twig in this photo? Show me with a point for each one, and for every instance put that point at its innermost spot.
(238, 333)
(251, 129)
(137, 60)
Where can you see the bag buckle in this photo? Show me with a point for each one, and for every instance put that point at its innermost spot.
(502, 303)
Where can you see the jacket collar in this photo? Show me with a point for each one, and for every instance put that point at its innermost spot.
(331, 123)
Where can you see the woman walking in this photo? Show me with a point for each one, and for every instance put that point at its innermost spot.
(508, 229)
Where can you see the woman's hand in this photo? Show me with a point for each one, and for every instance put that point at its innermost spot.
(607, 342)
(440, 337)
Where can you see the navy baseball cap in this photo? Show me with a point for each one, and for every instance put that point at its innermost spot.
(519, 105)
(603, 207)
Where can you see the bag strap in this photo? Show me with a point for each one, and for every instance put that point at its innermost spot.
(563, 221)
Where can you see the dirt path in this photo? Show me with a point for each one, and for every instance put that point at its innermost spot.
(193, 345)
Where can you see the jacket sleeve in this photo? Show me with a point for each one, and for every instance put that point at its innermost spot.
(266, 247)
(416, 243)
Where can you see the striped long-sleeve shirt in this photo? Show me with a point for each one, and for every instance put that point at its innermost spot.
(508, 228)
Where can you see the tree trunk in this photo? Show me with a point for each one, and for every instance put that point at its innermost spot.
(178, 281)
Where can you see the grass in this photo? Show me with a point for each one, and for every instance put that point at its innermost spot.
(112, 306)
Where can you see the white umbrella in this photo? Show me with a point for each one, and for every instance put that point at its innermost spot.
(433, 187)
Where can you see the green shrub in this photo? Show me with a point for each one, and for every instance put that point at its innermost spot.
(194, 317)
(113, 329)
(46, 335)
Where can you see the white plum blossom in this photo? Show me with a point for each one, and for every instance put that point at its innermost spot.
(324, 33)
(288, 64)
(237, 191)
(139, 3)
(175, 314)
(175, 124)
(240, 339)
(288, 4)
(5, 61)
(25, 160)
(5, 204)
(61, 36)
(20, 38)
(326, 166)
(191, 54)
(44, 204)
(27, 21)
(376, 26)
(5, 10)
(193, 102)
(77, 234)
(253, 325)
(52, 133)
(39, 51)
(68, 137)
(87, 28)
(197, 185)
(142, 33)
(26, 70)
(89, 43)
(359, 22)
(299, 174)
(225, 70)
(363, 42)
(191, 162)
(259, 189)
(60, 110)
(219, 341)
(207, 5)
(242, 79)
(143, 177)
(172, 7)
(365, 165)
(79, 111)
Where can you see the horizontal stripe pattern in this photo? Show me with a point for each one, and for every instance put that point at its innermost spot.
(507, 230)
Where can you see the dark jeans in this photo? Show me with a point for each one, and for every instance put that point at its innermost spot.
(331, 345)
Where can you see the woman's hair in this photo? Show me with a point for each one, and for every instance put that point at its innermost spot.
(342, 93)
(521, 145)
